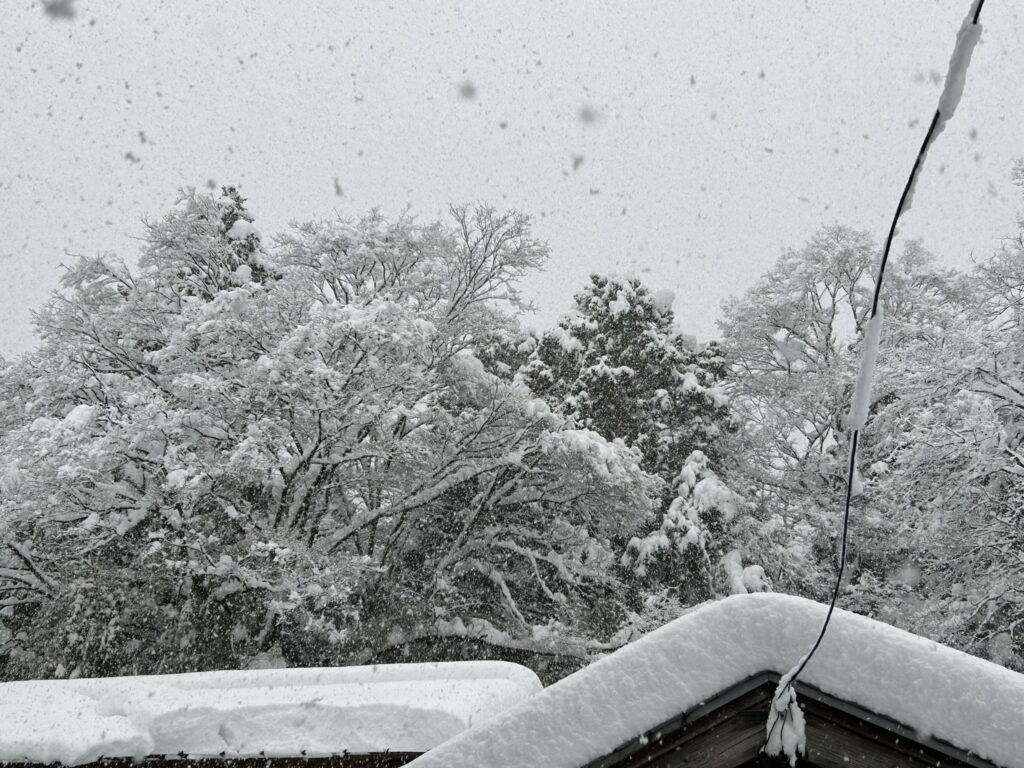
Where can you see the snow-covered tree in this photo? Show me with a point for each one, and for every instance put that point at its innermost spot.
(935, 536)
(689, 550)
(952, 477)
(617, 365)
(794, 341)
(239, 450)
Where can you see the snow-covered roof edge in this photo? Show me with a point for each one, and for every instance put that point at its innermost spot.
(299, 676)
(967, 702)
(276, 712)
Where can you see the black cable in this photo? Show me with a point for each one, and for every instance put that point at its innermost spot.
(899, 211)
(855, 438)
(780, 719)
(842, 557)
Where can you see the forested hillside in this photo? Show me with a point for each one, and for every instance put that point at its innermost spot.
(338, 446)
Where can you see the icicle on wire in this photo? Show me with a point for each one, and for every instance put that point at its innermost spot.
(966, 39)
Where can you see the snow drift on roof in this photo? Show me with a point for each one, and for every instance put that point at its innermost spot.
(970, 703)
(279, 712)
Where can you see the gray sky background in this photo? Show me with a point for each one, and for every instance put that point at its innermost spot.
(724, 131)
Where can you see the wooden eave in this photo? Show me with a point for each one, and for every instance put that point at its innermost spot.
(728, 731)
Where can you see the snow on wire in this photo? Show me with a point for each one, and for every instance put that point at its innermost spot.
(785, 727)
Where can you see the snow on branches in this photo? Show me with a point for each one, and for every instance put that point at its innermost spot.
(244, 447)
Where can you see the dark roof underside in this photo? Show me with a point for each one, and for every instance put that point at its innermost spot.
(728, 731)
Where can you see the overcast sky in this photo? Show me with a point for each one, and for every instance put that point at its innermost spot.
(688, 143)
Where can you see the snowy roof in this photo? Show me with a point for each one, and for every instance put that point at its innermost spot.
(967, 702)
(278, 712)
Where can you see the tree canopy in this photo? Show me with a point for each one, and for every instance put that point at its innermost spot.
(337, 446)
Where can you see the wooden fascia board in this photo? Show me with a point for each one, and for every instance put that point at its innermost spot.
(665, 729)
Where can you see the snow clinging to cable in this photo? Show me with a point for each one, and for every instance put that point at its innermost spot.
(862, 391)
(956, 75)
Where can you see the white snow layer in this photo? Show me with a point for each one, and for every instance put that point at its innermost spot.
(862, 389)
(80, 417)
(664, 298)
(970, 703)
(786, 730)
(956, 75)
(279, 712)
(241, 229)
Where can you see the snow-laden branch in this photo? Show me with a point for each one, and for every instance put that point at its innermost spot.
(421, 498)
(481, 630)
(22, 554)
